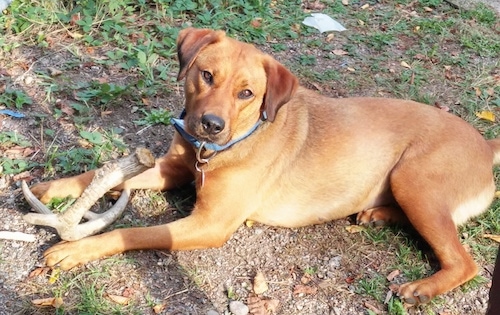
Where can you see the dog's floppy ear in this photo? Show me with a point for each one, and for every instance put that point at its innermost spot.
(281, 85)
(189, 43)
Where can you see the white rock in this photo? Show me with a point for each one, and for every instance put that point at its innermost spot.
(238, 308)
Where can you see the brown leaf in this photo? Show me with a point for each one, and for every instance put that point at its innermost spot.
(259, 283)
(316, 5)
(304, 289)
(158, 308)
(119, 299)
(393, 274)
(373, 308)
(256, 23)
(54, 72)
(41, 271)
(64, 107)
(305, 279)
(339, 52)
(261, 306)
(493, 237)
(420, 57)
(128, 292)
(478, 91)
(53, 301)
(74, 18)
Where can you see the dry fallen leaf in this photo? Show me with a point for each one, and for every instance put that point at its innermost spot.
(315, 6)
(305, 279)
(365, 6)
(119, 299)
(345, 2)
(405, 64)
(478, 91)
(249, 223)
(339, 52)
(260, 283)
(497, 194)
(373, 308)
(354, 228)
(261, 306)
(304, 289)
(41, 271)
(53, 301)
(493, 237)
(486, 115)
(158, 308)
(393, 275)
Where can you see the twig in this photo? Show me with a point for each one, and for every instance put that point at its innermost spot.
(17, 236)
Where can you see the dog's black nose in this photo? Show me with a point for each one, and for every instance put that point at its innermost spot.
(212, 124)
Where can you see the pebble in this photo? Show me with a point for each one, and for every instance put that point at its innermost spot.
(212, 312)
(238, 308)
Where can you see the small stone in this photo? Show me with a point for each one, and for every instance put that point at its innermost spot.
(238, 308)
(212, 312)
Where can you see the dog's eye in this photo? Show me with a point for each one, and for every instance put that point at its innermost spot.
(245, 94)
(207, 77)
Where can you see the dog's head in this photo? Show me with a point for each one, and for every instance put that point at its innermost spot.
(229, 84)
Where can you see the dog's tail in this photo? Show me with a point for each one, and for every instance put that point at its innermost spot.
(495, 147)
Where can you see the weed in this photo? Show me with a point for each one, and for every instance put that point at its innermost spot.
(14, 98)
(396, 307)
(154, 117)
(310, 270)
(12, 138)
(100, 93)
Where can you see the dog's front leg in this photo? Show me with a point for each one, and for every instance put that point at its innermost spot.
(212, 221)
(192, 232)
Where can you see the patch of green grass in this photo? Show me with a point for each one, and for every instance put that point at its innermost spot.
(99, 146)
(373, 285)
(85, 292)
(482, 14)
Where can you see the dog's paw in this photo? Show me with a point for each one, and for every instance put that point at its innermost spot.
(417, 292)
(371, 217)
(381, 216)
(66, 255)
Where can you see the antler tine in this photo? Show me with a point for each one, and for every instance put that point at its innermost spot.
(105, 178)
(37, 205)
(97, 221)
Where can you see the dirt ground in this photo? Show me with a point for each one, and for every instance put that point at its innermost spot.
(199, 281)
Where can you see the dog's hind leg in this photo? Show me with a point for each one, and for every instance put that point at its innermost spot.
(430, 212)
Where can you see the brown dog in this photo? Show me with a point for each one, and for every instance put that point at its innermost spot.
(289, 157)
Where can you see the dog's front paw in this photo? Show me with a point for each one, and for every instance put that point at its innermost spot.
(417, 292)
(66, 255)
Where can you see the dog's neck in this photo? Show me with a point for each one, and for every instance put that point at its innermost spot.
(178, 123)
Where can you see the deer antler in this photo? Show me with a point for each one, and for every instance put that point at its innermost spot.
(110, 175)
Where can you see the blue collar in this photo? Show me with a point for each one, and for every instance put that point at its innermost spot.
(178, 123)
